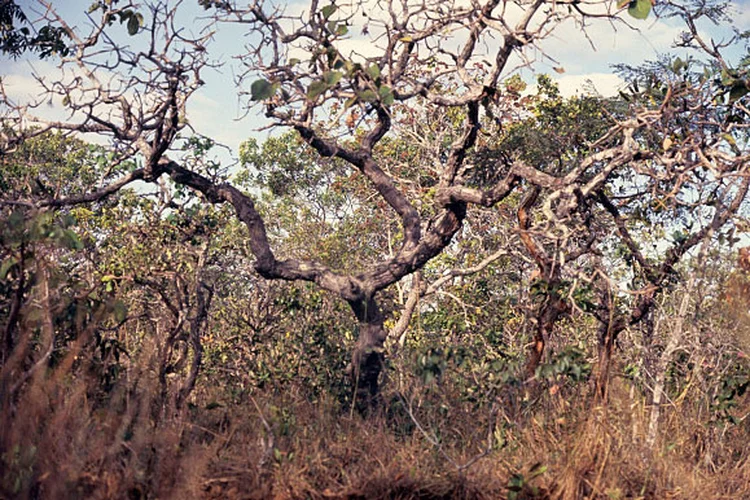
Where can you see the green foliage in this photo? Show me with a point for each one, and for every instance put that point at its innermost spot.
(733, 386)
(112, 307)
(47, 41)
(554, 134)
(570, 363)
(132, 19)
(262, 89)
(519, 485)
(639, 9)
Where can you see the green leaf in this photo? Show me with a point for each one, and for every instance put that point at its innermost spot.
(374, 71)
(133, 25)
(367, 95)
(293, 61)
(639, 9)
(262, 89)
(678, 65)
(316, 89)
(738, 90)
(341, 30)
(537, 470)
(6, 266)
(727, 77)
(69, 239)
(120, 311)
(728, 137)
(386, 95)
(328, 11)
(332, 77)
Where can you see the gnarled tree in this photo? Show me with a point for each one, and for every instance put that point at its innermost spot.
(302, 67)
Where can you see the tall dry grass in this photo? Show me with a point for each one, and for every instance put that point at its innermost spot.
(64, 437)
(58, 441)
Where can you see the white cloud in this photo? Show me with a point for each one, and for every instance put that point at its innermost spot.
(612, 43)
(605, 84)
(219, 121)
(20, 84)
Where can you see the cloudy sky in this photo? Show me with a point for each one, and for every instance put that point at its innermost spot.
(215, 110)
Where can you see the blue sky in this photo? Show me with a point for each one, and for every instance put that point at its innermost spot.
(215, 109)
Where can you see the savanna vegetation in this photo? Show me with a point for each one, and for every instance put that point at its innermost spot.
(437, 277)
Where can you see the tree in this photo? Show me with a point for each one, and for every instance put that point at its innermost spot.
(429, 58)
(48, 41)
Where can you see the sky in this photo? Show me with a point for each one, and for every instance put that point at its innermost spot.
(215, 110)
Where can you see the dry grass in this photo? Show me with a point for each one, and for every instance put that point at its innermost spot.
(585, 453)
(63, 439)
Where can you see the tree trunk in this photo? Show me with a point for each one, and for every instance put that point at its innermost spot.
(368, 356)
(203, 296)
(536, 351)
(546, 317)
(15, 310)
(673, 343)
(607, 335)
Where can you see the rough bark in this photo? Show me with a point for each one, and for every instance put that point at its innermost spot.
(606, 343)
(14, 314)
(547, 315)
(673, 343)
(203, 296)
(551, 306)
(368, 355)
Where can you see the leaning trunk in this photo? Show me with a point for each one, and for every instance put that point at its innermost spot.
(368, 356)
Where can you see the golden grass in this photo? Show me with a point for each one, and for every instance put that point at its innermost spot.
(62, 439)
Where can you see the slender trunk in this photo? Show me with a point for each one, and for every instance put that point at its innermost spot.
(548, 314)
(675, 337)
(610, 327)
(15, 310)
(203, 297)
(536, 351)
(607, 335)
(368, 356)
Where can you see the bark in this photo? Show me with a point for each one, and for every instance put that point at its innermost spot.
(368, 355)
(197, 324)
(675, 338)
(546, 318)
(553, 306)
(14, 314)
(606, 337)
(656, 276)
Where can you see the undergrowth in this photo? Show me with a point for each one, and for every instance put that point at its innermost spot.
(63, 438)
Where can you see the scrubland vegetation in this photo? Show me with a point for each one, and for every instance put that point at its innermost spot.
(434, 281)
